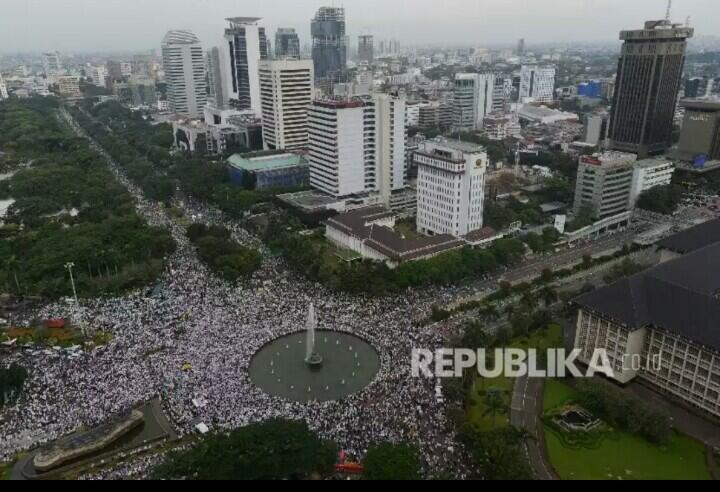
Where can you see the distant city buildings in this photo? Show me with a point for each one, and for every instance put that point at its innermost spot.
(183, 60)
(69, 86)
(329, 50)
(52, 64)
(537, 84)
(3, 89)
(648, 85)
(286, 92)
(474, 99)
(450, 187)
(287, 43)
(366, 49)
(596, 128)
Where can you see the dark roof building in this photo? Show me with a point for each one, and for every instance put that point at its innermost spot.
(681, 296)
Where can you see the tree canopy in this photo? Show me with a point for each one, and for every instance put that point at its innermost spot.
(392, 462)
(272, 450)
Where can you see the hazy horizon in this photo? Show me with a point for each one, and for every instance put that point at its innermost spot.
(134, 25)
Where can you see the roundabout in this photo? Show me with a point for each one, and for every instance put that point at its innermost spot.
(315, 366)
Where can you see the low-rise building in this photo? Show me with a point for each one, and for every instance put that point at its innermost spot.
(660, 326)
(269, 170)
(649, 174)
(604, 183)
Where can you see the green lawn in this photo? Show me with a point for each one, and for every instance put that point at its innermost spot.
(622, 456)
(478, 414)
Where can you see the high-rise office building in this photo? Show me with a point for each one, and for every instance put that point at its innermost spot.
(287, 43)
(357, 146)
(184, 64)
(390, 144)
(52, 64)
(286, 92)
(341, 146)
(329, 49)
(537, 83)
(474, 96)
(247, 44)
(366, 48)
(521, 47)
(450, 187)
(648, 83)
(216, 90)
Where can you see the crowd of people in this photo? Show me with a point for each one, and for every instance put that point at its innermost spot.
(192, 337)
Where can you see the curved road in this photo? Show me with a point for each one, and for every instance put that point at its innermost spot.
(525, 413)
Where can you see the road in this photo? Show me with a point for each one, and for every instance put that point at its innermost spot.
(525, 413)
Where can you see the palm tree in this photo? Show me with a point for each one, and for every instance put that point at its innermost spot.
(495, 403)
(549, 296)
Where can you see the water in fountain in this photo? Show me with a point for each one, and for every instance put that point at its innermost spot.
(312, 358)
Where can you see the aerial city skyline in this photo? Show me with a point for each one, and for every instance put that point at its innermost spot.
(304, 241)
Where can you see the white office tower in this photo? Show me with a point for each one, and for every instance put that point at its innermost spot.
(52, 64)
(341, 146)
(390, 143)
(450, 187)
(184, 64)
(537, 84)
(245, 45)
(3, 89)
(286, 92)
(474, 95)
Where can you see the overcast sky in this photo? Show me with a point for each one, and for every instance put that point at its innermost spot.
(122, 25)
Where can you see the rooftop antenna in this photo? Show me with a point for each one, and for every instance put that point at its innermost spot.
(687, 22)
(669, 10)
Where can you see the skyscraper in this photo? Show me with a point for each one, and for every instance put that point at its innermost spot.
(474, 96)
(216, 91)
(247, 44)
(537, 83)
(390, 144)
(286, 88)
(648, 83)
(52, 64)
(329, 50)
(287, 43)
(184, 65)
(366, 48)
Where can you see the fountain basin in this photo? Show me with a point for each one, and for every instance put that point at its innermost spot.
(332, 376)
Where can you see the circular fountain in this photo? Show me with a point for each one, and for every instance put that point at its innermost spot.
(315, 365)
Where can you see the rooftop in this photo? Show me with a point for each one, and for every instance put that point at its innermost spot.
(693, 239)
(459, 145)
(264, 161)
(681, 296)
(361, 223)
(701, 104)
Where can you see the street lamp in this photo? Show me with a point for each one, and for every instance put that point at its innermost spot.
(70, 266)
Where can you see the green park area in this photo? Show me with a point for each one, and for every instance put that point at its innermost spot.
(619, 455)
(490, 398)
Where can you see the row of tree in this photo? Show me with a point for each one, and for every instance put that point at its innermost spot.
(68, 209)
(312, 255)
(12, 381)
(280, 450)
(224, 256)
(624, 411)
